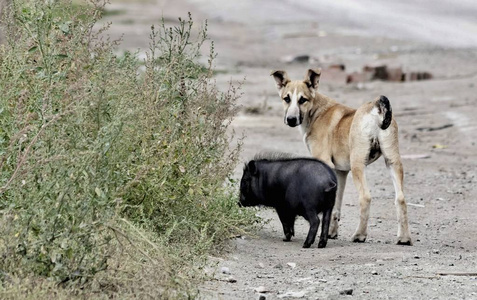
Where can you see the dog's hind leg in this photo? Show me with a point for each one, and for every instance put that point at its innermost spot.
(341, 176)
(404, 235)
(390, 150)
(359, 179)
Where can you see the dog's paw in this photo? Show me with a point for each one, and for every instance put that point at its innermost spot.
(333, 231)
(404, 241)
(358, 238)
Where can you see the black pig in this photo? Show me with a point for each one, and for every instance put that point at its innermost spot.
(293, 186)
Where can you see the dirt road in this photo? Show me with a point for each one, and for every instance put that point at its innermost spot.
(438, 136)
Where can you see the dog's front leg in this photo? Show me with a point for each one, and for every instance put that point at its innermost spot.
(341, 176)
(359, 179)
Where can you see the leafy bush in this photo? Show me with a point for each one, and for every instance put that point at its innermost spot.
(104, 157)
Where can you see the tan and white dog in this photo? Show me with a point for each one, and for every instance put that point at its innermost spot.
(347, 139)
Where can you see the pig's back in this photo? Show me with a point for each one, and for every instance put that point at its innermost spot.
(303, 172)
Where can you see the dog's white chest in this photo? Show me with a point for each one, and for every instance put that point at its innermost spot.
(305, 134)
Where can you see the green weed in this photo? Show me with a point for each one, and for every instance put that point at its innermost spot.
(113, 178)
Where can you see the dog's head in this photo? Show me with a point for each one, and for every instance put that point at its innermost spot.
(297, 96)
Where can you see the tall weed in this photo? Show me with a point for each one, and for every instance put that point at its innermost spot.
(107, 162)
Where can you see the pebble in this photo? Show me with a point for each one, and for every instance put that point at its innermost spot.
(225, 270)
(291, 294)
(346, 292)
(262, 289)
(291, 265)
(374, 272)
(260, 265)
(262, 297)
(231, 279)
(435, 251)
(323, 280)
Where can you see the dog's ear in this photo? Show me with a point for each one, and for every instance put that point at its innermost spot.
(312, 79)
(281, 79)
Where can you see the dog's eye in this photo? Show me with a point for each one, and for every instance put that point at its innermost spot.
(302, 100)
(287, 99)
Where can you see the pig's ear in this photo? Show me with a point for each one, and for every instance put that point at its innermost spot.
(252, 167)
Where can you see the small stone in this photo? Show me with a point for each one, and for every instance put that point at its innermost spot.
(260, 265)
(225, 270)
(231, 279)
(435, 251)
(416, 256)
(291, 294)
(346, 292)
(262, 297)
(291, 265)
(261, 289)
(278, 266)
(296, 59)
(374, 272)
(323, 280)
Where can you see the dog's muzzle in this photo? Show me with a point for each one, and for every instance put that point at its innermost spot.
(292, 121)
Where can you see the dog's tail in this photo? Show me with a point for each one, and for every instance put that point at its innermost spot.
(385, 111)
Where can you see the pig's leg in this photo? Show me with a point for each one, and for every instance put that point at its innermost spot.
(341, 176)
(325, 225)
(312, 217)
(288, 223)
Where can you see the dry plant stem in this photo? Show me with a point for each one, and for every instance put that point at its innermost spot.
(138, 232)
(457, 273)
(27, 150)
(12, 142)
(116, 230)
